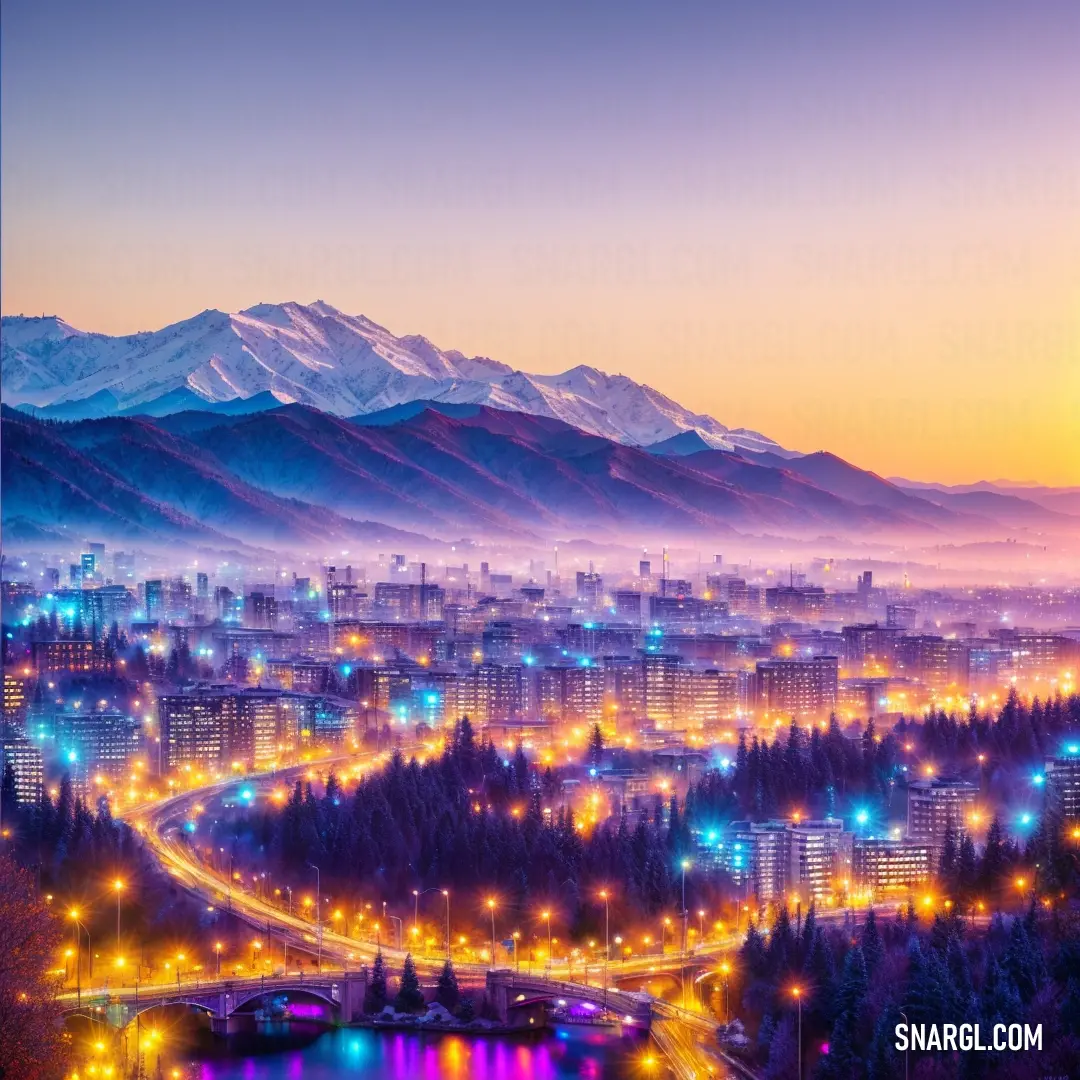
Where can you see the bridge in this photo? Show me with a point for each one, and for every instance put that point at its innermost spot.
(222, 1000)
(508, 989)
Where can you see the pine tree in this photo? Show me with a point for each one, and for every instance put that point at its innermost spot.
(872, 947)
(447, 993)
(375, 995)
(410, 998)
(596, 746)
(844, 1049)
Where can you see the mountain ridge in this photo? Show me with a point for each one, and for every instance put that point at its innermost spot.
(347, 365)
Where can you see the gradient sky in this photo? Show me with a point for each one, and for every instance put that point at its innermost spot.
(845, 226)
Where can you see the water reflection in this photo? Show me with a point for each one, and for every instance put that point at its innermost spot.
(288, 1052)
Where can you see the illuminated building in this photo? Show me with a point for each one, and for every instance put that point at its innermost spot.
(628, 605)
(797, 688)
(665, 677)
(778, 858)
(155, 599)
(15, 699)
(590, 589)
(868, 643)
(69, 656)
(891, 866)
(1063, 782)
(98, 743)
(25, 760)
(714, 696)
(820, 854)
(901, 616)
(936, 805)
(795, 602)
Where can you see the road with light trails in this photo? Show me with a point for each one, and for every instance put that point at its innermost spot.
(158, 824)
(683, 1036)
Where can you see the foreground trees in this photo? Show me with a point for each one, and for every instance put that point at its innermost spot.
(32, 1043)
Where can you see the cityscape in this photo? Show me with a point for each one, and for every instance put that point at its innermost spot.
(668, 669)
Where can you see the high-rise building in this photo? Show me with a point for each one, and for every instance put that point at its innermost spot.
(1063, 782)
(98, 743)
(937, 804)
(888, 866)
(796, 687)
(24, 757)
(820, 859)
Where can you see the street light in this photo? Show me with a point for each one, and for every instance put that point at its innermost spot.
(318, 908)
(685, 864)
(118, 885)
(725, 970)
(217, 949)
(74, 916)
(546, 916)
(446, 893)
(797, 991)
(491, 909)
(607, 934)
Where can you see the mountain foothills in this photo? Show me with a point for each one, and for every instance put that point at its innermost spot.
(291, 426)
(293, 476)
(315, 355)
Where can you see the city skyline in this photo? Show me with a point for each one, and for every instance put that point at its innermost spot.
(852, 231)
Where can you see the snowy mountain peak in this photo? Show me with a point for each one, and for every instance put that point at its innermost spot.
(320, 356)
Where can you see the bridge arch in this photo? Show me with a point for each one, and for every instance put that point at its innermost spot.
(323, 993)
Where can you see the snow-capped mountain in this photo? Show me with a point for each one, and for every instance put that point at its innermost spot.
(316, 355)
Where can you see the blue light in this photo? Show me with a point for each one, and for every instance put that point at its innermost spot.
(585, 661)
(592, 772)
(588, 626)
(432, 699)
(189, 826)
(248, 794)
(1073, 748)
(712, 835)
(1038, 779)
(346, 669)
(72, 756)
(1025, 819)
(862, 817)
(529, 660)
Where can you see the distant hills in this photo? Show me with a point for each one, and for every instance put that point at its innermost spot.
(293, 476)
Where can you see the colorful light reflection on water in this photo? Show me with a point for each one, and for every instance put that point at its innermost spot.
(555, 1055)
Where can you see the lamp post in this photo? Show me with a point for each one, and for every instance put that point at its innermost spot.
(491, 908)
(725, 970)
(318, 908)
(546, 916)
(446, 893)
(217, 950)
(607, 935)
(685, 864)
(797, 991)
(74, 915)
(118, 885)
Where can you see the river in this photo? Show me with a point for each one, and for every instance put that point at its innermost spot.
(296, 1052)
